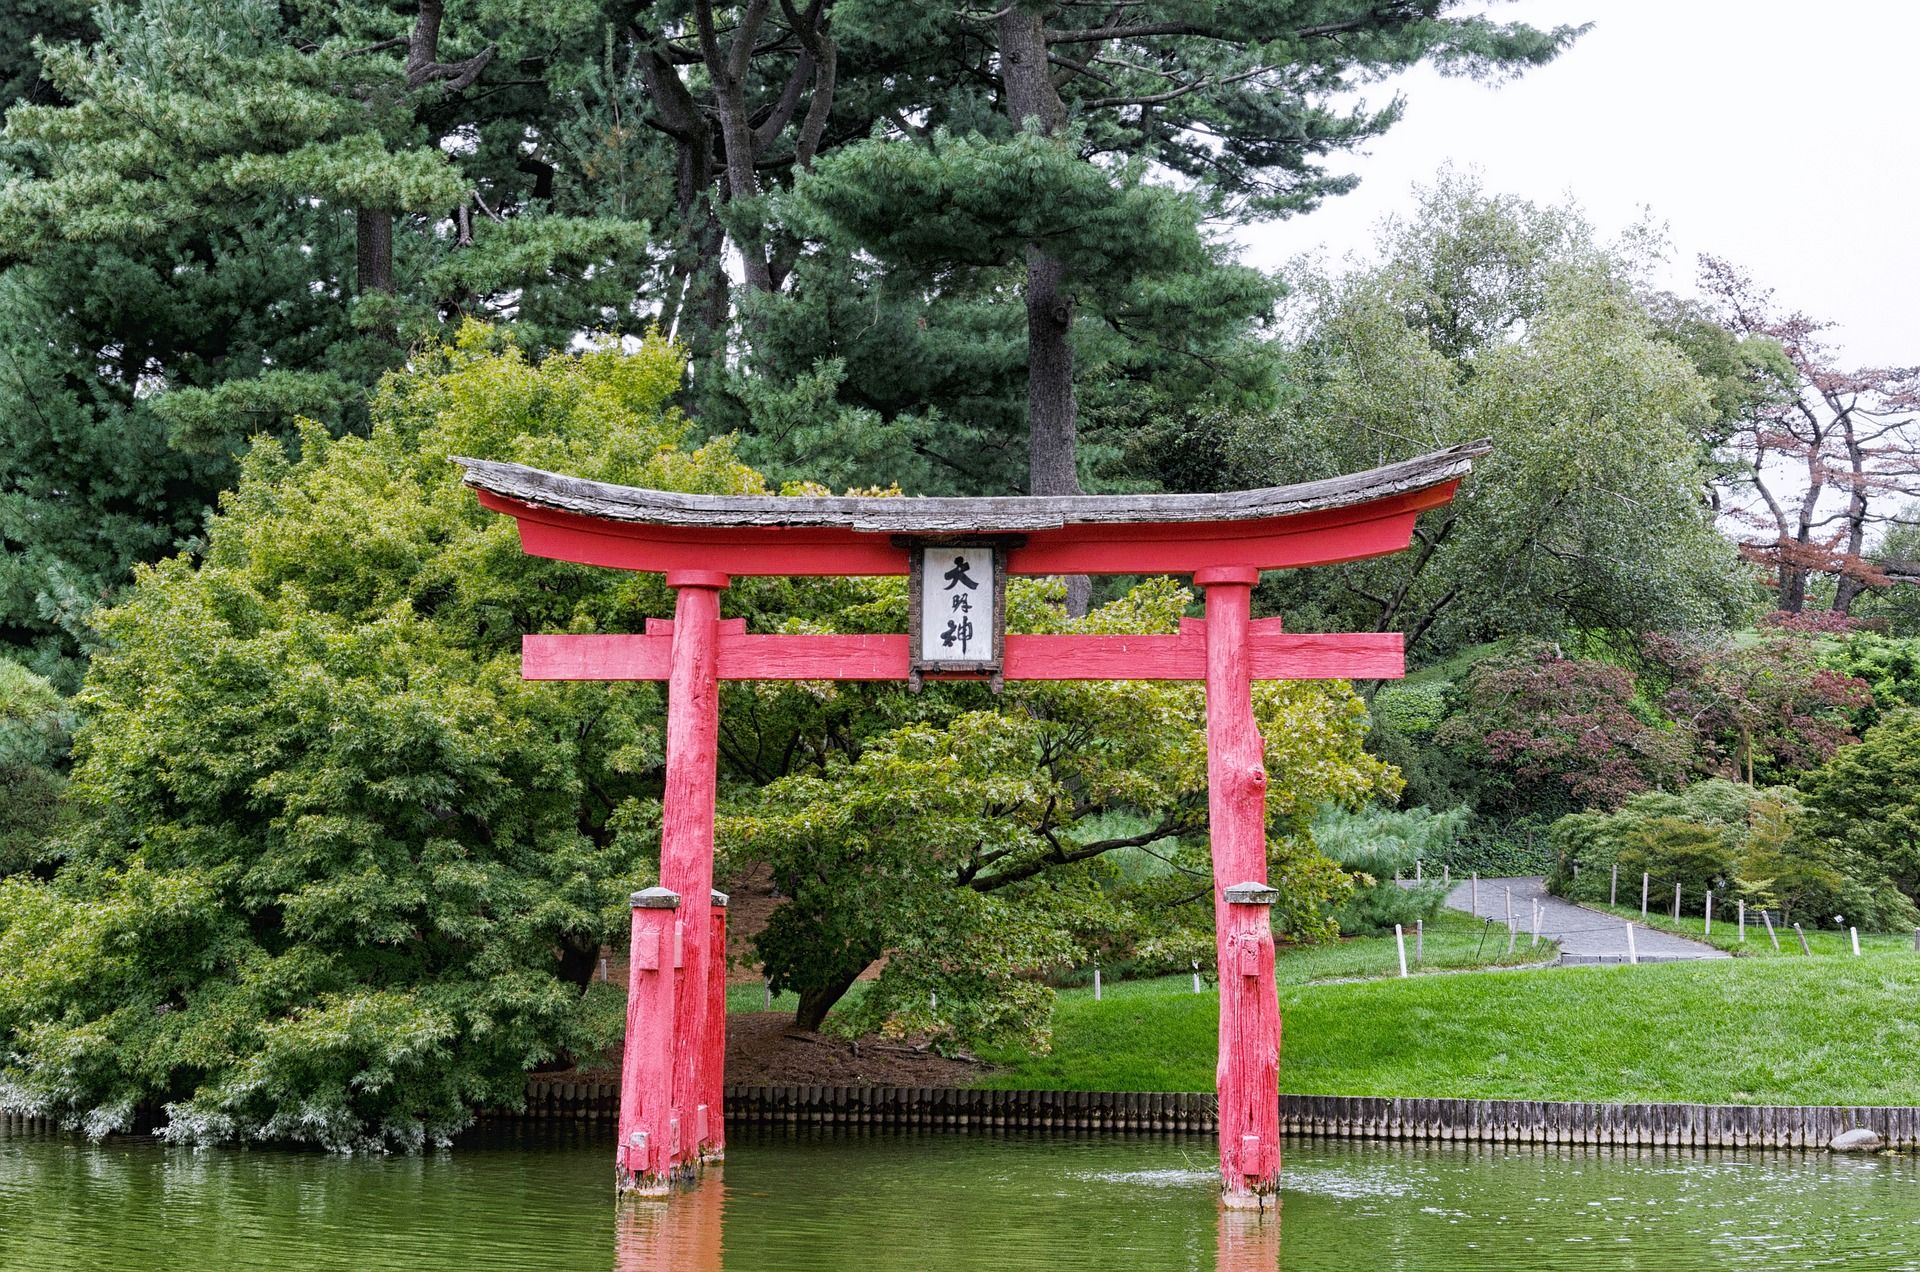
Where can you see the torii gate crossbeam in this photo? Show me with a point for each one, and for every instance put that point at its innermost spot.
(671, 1082)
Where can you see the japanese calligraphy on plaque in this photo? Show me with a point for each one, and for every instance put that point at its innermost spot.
(958, 605)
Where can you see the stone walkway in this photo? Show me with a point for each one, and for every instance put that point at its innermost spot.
(1585, 936)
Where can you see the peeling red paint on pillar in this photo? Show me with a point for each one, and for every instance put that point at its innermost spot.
(686, 836)
(713, 1050)
(1237, 828)
(646, 1150)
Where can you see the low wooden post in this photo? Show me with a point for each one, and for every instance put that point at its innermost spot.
(709, 1126)
(1771, 934)
(1797, 931)
(1633, 955)
(1475, 907)
(1419, 870)
(1250, 1051)
(1743, 921)
(1645, 880)
(647, 1149)
(1096, 982)
(1400, 943)
(1709, 925)
(1613, 886)
(1419, 942)
(1854, 932)
(1536, 921)
(1446, 876)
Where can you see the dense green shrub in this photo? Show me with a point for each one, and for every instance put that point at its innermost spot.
(1378, 845)
(1864, 803)
(35, 733)
(1747, 843)
(1889, 667)
(336, 874)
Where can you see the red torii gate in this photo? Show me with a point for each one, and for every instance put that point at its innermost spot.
(671, 1077)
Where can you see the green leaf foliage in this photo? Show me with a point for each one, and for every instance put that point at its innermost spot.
(1489, 316)
(981, 845)
(181, 264)
(1385, 848)
(1865, 801)
(1760, 845)
(36, 726)
(336, 874)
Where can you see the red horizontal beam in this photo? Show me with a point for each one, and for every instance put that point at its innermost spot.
(1316, 538)
(1274, 655)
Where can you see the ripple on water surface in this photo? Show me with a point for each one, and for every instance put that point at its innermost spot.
(820, 1202)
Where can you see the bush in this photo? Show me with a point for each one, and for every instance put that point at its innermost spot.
(1863, 805)
(1889, 668)
(1558, 734)
(1376, 844)
(336, 874)
(35, 733)
(1746, 843)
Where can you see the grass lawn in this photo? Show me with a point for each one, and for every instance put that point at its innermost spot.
(1750, 1031)
(1452, 940)
(1726, 933)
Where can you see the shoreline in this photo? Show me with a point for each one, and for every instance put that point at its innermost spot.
(965, 1109)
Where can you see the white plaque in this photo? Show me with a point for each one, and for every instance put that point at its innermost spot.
(957, 605)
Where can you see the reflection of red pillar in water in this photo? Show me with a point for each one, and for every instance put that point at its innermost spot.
(648, 1128)
(1247, 1241)
(713, 1050)
(683, 1235)
(1248, 1074)
(686, 834)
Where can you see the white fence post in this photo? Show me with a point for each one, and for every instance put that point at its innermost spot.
(1400, 943)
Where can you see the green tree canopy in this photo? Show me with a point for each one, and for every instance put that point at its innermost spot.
(1864, 803)
(1492, 317)
(984, 842)
(338, 874)
(198, 244)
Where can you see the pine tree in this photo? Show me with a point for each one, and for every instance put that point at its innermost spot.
(220, 221)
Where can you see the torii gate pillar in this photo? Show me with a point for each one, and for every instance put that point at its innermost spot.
(1248, 1073)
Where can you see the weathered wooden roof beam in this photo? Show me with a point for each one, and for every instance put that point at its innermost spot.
(1282, 527)
(926, 515)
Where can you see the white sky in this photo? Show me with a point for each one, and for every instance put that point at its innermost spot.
(1784, 137)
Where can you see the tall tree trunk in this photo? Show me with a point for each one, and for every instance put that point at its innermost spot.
(1052, 410)
(373, 250)
(816, 1002)
(1848, 585)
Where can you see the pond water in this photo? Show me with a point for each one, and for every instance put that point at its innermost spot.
(813, 1202)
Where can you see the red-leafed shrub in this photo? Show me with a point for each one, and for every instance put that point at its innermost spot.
(1560, 733)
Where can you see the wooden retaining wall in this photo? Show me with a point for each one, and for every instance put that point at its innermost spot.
(1309, 1116)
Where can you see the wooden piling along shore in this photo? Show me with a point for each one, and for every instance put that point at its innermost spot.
(1308, 1116)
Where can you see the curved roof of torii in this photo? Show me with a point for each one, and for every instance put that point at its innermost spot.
(1309, 523)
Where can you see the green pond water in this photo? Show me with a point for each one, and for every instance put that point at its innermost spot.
(880, 1203)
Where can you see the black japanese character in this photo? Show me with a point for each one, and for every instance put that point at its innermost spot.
(961, 630)
(958, 574)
